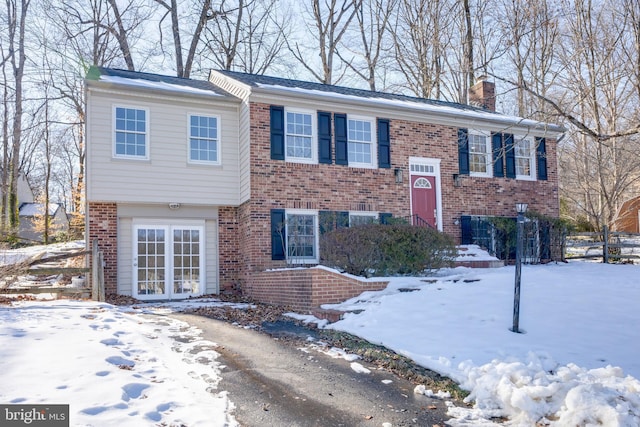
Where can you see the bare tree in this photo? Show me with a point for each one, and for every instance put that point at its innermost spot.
(17, 12)
(372, 46)
(421, 34)
(329, 20)
(248, 37)
(204, 12)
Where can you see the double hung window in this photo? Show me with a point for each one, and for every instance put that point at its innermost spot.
(524, 157)
(479, 154)
(204, 142)
(300, 136)
(361, 142)
(302, 236)
(362, 218)
(130, 138)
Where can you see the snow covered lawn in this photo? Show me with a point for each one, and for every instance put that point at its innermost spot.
(112, 367)
(578, 363)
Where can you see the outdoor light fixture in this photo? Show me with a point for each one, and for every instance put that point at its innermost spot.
(456, 180)
(521, 208)
(398, 174)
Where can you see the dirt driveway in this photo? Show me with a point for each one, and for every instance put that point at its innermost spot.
(283, 382)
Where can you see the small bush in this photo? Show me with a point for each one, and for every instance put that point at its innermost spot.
(386, 250)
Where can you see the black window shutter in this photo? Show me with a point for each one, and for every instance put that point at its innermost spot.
(324, 137)
(327, 221)
(340, 123)
(541, 158)
(467, 233)
(278, 234)
(277, 132)
(463, 151)
(498, 155)
(385, 218)
(384, 144)
(510, 156)
(342, 219)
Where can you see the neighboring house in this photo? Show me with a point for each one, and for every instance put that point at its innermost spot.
(32, 215)
(195, 187)
(629, 216)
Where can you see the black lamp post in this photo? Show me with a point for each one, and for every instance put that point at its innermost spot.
(521, 208)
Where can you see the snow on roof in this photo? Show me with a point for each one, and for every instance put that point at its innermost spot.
(33, 209)
(155, 81)
(403, 101)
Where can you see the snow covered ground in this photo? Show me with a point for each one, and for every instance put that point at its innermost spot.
(111, 365)
(576, 365)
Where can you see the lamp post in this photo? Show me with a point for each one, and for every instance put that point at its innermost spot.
(521, 208)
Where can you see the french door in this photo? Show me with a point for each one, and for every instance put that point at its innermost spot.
(168, 261)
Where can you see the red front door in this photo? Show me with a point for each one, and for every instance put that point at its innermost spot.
(423, 200)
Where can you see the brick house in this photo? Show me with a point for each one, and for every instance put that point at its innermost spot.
(628, 218)
(196, 187)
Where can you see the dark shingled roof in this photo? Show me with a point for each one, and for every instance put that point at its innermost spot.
(257, 80)
(95, 73)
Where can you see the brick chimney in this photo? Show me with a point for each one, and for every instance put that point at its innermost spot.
(483, 94)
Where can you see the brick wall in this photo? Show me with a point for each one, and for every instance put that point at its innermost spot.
(228, 249)
(305, 288)
(278, 184)
(103, 226)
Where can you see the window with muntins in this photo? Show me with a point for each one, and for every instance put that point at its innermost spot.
(524, 155)
(204, 144)
(361, 148)
(299, 136)
(479, 155)
(302, 237)
(362, 218)
(130, 133)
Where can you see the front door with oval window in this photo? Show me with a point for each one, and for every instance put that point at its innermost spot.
(423, 200)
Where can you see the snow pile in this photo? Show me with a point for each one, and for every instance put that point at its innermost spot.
(111, 367)
(420, 389)
(474, 253)
(569, 396)
(576, 364)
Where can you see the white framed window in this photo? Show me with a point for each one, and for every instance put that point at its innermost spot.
(302, 236)
(130, 132)
(204, 139)
(480, 158)
(361, 149)
(361, 218)
(524, 150)
(300, 136)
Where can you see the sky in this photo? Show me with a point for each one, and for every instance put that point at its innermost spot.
(575, 364)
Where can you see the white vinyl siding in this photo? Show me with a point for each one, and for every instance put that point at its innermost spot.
(167, 173)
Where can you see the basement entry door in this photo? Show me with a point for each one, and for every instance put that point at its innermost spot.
(168, 261)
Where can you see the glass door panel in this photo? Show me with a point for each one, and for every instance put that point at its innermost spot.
(186, 261)
(150, 262)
